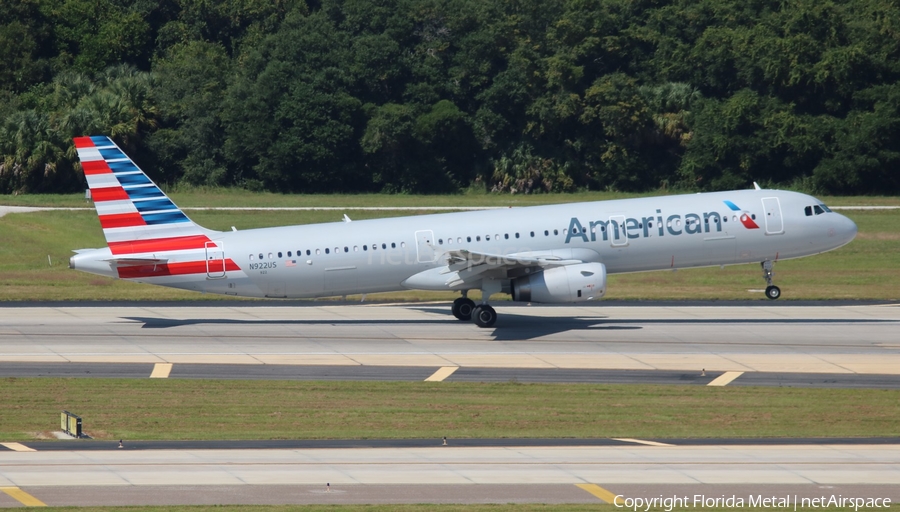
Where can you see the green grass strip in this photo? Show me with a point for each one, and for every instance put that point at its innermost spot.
(222, 409)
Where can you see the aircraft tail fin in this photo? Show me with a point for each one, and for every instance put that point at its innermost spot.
(136, 216)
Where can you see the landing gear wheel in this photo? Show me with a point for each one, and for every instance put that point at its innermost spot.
(462, 308)
(484, 316)
(773, 292)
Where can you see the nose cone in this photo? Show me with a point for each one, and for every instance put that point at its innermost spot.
(844, 230)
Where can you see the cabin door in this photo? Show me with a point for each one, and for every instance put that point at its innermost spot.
(774, 220)
(215, 260)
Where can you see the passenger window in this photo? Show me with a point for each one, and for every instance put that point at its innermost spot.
(346, 249)
(546, 233)
(327, 251)
(317, 251)
(365, 248)
(532, 234)
(517, 235)
(487, 238)
(393, 245)
(402, 244)
(355, 248)
(478, 238)
(308, 253)
(270, 256)
(808, 211)
(384, 246)
(261, 256)
(279, 254)
(459, 240)
(468, 239)
(251, 257)
(440, 241)
(555, 232)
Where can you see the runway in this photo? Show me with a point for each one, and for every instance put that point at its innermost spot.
(754, 343)
(448, 474)
(745, 343)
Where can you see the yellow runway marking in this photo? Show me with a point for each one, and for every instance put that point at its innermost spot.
(641, 441)
(161, 371)
(18, 447)
(725, 378)
(598, 491)
(442, 374)
(23, 497)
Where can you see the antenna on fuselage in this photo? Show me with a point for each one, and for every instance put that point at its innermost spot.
(756, 186)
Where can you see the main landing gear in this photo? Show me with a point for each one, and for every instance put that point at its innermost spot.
(483, 315)
(772, 291)
(462, 308)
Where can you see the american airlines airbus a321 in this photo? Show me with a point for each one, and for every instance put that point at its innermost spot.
(546, 254)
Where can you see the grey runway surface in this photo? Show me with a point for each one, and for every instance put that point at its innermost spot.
(753, 343)
(513, 474)
(741, 343)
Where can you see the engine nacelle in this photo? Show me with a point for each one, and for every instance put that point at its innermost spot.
(570, 283)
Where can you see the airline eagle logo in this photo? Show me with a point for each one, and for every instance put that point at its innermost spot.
(746, 220)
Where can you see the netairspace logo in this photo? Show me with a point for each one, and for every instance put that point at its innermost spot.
(787, 501)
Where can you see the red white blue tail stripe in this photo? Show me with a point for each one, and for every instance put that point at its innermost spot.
(139, 221)
(131, 207)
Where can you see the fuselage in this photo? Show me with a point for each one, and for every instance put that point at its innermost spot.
(627, 235)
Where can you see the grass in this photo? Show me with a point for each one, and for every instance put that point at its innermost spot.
(868, 268)
(221, 409)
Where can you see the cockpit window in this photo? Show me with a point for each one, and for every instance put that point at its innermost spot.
(827, 209)
(808, 211)
(818, 209)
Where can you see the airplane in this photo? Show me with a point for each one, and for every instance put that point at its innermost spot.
(543, 254)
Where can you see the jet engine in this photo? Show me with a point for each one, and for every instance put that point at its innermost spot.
(571, 283)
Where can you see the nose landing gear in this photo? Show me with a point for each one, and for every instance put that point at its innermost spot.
(772, 291)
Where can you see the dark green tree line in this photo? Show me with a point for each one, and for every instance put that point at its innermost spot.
(439, 95)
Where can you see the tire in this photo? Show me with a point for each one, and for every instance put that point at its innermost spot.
(484, 316)
(773, 292)
(462, 308)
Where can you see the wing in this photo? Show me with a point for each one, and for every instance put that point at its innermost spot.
(465, 268)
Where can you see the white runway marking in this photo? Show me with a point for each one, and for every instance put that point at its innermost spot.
(161, 371)
(725, 379)
(442, 374)
(641, 441)
(17, 447)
